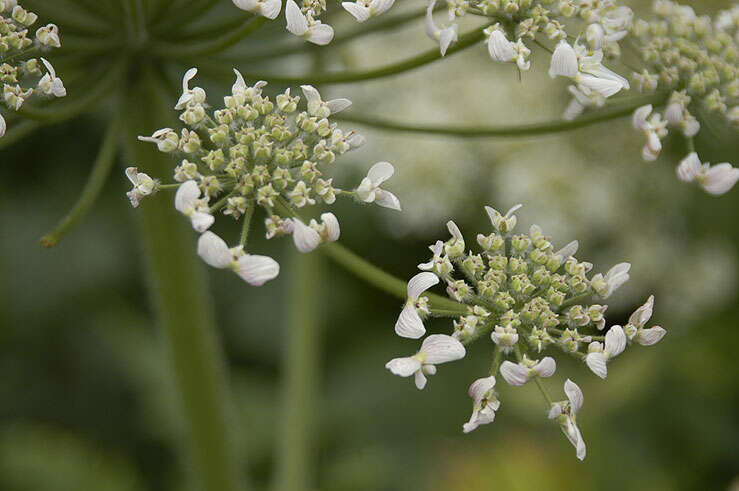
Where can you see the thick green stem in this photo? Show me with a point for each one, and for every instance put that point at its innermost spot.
(300, 372)
(179, 290)
(98, 176)
(247, 28)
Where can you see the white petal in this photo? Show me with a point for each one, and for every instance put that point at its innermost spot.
(431, 30)
(514, 373)
(214, 250)
(321, 34)
(602, 86)
(615, 341)
(306, 239)
(332, 226)
(359, 12)
(247, 5)
(447, 36)
(480, 387)
(420, 283)
(513, 209)
(618, 270)
(564, 61)
(555, 411)
(440, 348)
(574, 394)
(597, 363)
(337, 105)
(500, 48)
(420, 380)
(386, 199)
(674, 113)
(296, 21)
(568, 251)
(240, 84)
(403, 367)
(3, 126)
(639, 118)
(131, 172)
(454, 230)
(381, 6)
(720, 178)
(546, 367)
(201, 221)
(648, 337)
(642, 315)
(184, 198)
(257, 270)
(689, 168)
(271, 8)
(409, 323)
(312, 96)
(380, 172)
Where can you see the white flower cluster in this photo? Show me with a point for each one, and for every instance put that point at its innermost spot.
(22, 75)
(302, 20)
(695, 57)
(256, 152)
(528, 298)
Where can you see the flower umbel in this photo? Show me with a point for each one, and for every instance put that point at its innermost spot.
(527, 297)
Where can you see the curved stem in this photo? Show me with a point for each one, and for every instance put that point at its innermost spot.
(378, 278)
(430, 56)
(250, 25)
(482, 131)
(300, 372)
(98, 176)
(178, 287)
(20, 130)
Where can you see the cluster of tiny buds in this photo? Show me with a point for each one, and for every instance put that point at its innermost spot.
(528, 297)
(256, 152)
(22, 75)
(302, 20)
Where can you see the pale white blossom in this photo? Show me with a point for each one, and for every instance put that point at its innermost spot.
(187, 201)
(305, 238)
(435, 349)
(598, 354)
(143, 185)
(196, 95)
(49, 36)
(369, 189)
(3, 126)
(165, 139)
(364, 9)
(585, 68)
(520, 373)
(254, 269)
(317, 107)
(410, 323)
(565, 413)
(266, 8)
(503, 223)
(305, 26)
(716, 179)
(445, 36)
(328, 230)
(484, 404)
(614, 278)
(50, 84)
(653, 127)
(439, 263)
(504, 337)
(499, 47)
(635, 330)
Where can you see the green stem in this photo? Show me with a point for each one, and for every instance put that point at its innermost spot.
(100, 172)
(543, 391)
(301, 367)
(430, 56)
(178, 287)
(380, 279)
(481, 131)
(496, 360)
(247, 223)
(18, 131)
(180, 50)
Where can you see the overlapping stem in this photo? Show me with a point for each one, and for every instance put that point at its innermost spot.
(179, 292)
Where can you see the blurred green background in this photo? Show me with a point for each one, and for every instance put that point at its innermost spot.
(86, 399)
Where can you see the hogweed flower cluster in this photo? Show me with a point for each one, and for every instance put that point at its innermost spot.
(258, 152)
(21, 74)
(528, 298)
(694, 57)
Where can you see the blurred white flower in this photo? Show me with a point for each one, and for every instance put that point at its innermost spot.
(716, 179)
(266, 8)
(317, 107)
(635, 330)
(305, 26)
(565, 413)
(484, 403)
(435, 349)
(654, 128)
(143, 185)
(614, 278)
(364, 9)
(598, 356)
(255, 270)
(410, 323)
(187, 201)
(369, 189)
(444, 36)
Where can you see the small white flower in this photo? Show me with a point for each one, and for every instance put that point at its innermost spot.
(654, 128)
(328, 229)
(187, 201)
(305, 26)
(567, 251)
(364, 9)
(305, 238)
(165, 139)
(49, 36)
(409, 323)
(635, 330)
(598, 356)
(503, 223)
(3, 126)
(255, 270)
(716, 180)
(240, 89)
(266, 8)
(519, 373)
(499, 47)
(50, 84)
(317, 107)
(369, 189)
(505, 337)
(196, 95)
(445, 36)
(484, 405)
(435, 349)
(143, 185)
(581, 98)
(586, 69)
(565, 412)
(439, 264)
(614, 278)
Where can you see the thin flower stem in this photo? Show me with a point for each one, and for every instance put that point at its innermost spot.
(496, 361)
(100, 172)
(183, 307)
(180, 50)
(481, 131)
(445, 313)
(300, 374)
(430, 56)
(247, 223)
(20, 130)
(543, 391)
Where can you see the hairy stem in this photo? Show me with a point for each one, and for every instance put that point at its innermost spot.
(300, 372)
(178, 287)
